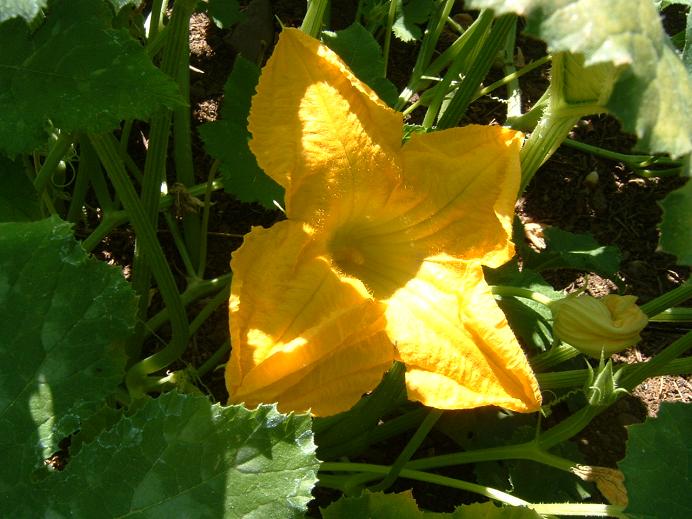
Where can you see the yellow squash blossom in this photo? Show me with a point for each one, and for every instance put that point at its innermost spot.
(381, 255)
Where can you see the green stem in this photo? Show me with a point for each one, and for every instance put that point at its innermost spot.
(578, 377)
(194, 291)
(474, 39)
(110, 221)
(488, 492)
(107, 149)
(669, 299)
(637, 374)
(636, 161)
(677, 314)
(182, 149)
(547, 136)
(216, 358)
(190, 271)
(482, 62)
(55, 155)
(113, 219)
(205, 220)
(312, 23)
(509, 78)
(155, 165)
(410, 449)
(388, 32)
(554, 356)
(87, 161)
(158, 9)
(209, 308)
(431, 36)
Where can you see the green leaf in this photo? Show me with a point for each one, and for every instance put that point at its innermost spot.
(18, 198)
(75, 73)
(181, 456)
(227, 140)
(361, 52)
(63, 315)
(528, 319)
(657, 464)
(576, 251)
(652, 91)
(27, 9)
(409, 17)
(225, 13)
(402, 506)
(371, 505)
(676, 224)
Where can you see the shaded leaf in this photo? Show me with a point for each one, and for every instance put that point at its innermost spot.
(652, 91)
(227, 140)
(657, 464)
(225, 13)
(529, 320)
(676, 224)
(576, 251)
(181, 456)
(75, 73)
(361, 52)
(18, 198)
(63, 314)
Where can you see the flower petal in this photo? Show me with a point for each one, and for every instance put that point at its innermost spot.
(455, 341)
(458, 194)
(302, 336)
(465, 182)
(321, 133)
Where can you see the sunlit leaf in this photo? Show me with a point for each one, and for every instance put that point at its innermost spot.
(26, 9)
(652, 91)
(75, 73)
(181, 456)
(676, 224)
(657, 464)
(403, 506)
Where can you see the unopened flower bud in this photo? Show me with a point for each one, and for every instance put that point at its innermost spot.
(609, 324)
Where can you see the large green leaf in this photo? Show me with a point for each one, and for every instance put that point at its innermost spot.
(652, 91)
(676, 224)
(76, 73)
(27, 9)
(402, 506)
(181, 456)
(227, 140)
(62, 316)
(361, 52)
(657, 464)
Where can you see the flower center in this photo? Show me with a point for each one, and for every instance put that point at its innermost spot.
(381, 265)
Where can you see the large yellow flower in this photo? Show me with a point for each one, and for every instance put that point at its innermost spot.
(380, 258)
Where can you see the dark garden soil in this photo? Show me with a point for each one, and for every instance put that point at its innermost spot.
(619, 209)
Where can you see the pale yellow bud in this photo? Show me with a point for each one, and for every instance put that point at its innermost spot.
(609, 324)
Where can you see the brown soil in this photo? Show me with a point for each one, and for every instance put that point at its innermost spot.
(621, 209)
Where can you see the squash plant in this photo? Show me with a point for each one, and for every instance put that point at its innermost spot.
(97, 420)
